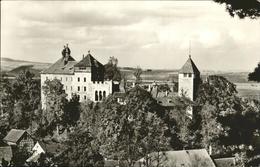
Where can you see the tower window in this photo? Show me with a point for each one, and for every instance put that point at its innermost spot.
(85, 79)
(78, 79)
(85, 88)
(78, 88)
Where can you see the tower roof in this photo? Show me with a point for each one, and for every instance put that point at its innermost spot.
(189, 67)
(89, 61)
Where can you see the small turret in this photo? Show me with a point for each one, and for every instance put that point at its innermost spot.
(66, 54)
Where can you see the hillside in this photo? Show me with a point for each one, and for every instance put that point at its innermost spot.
(14, 66)
(8, 64)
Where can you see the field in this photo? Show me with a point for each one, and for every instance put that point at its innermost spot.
(250, 90)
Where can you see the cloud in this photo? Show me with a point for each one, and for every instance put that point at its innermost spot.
(149, 34)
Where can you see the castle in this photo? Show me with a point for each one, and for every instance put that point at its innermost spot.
(84, 78)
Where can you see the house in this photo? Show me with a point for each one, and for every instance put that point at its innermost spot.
(225, 162)
(181, 158)
(84, 78)
(6, 153)
(45, 147)
(19, 138)
(38, 149)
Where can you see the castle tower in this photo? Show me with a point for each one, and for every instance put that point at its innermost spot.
(189, 79)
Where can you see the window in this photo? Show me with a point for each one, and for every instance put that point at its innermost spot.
(61, 78)
(85, 97)
(85, 79)
(71, 78)
(104, 94)
(66, 78)
(100, 95)
(79, 96)
(85, 89)
(96, 95)
(185, 74)
(66, 87)
(46, 78)
(71, 88)
(78, 79)
(78, 88)
(190, 74)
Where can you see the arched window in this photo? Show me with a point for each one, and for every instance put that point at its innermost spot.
(96, 95)
(100, 95)
(104, 94)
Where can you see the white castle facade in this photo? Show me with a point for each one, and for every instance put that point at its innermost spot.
(84, 78)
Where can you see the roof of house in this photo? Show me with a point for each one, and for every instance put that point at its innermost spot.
(119, 94)
(189, 67)
(51, 147)
(89, 61)
(6, 153)
(14, 135)
(59, 67)
(196, 157)
(225, 162)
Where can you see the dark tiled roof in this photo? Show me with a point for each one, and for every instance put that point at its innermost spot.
(189, 67)
(59, 67)
(6, 153)
(89, 61)
(14, 135)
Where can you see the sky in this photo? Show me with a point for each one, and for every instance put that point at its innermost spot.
(154, 34)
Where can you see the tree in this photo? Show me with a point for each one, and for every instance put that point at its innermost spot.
(112, 72)
(225, 120)
(241, 8)
(56, 101)
(184, 124)
(132, 131)
(72, 111)
(210, 128)
(82, 150)
(20, 99)
(255, 76)
(137, 73)
(7, 100)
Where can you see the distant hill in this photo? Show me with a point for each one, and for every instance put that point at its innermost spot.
(16, 71)
(8, 64)
(13, 67)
